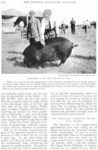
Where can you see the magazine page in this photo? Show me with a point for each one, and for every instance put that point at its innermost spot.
(48, 75)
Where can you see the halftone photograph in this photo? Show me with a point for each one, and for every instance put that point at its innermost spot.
(48, 37)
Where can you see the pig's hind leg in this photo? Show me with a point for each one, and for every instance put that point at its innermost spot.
(63, 60)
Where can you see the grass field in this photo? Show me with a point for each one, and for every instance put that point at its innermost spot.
(82, 59)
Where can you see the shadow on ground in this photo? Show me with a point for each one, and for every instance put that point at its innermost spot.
(45, 65)
(19, 62)
(13, 52)
(84, 57)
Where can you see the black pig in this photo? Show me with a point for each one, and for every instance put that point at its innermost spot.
(58, 48)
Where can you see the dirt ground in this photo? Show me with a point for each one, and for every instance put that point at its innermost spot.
(82, 59)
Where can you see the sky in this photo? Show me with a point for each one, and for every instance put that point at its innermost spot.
(62, 10)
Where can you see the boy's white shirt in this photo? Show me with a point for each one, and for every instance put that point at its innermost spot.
(86, 23)
(43, 24)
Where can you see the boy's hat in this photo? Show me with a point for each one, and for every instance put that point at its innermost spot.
(47, 13)
(31, 13)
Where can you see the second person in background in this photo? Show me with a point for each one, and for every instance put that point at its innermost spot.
(33, 29)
